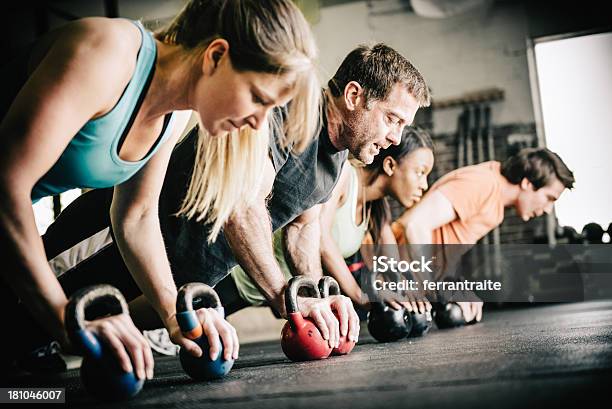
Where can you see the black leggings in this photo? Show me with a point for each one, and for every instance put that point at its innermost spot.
(83, 218)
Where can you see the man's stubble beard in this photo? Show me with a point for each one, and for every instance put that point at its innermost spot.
(357, 134)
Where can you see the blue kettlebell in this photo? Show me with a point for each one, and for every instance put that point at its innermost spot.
(202, 368)
(101, 374)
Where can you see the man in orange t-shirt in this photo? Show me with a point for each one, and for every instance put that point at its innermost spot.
(466, 204)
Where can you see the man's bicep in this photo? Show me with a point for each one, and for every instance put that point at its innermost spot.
(468, 193)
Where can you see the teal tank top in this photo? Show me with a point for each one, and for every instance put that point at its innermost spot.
(91, 159)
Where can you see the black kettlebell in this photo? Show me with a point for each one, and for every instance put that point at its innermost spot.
(448, 315)
(202, 368)
(421, 323)
(101, 373)
(386, 324)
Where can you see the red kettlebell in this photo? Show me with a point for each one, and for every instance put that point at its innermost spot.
(328, 286)
(300, 337)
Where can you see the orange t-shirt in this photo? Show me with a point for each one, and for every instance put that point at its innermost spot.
(476, 195)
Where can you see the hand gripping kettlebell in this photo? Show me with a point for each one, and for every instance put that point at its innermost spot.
(421, 323)
(300, 337)
(328, 286)
(448, 315)
(202, 368)
(101, 373)
(385, 323)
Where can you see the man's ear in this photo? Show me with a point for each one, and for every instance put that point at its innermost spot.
(526, 184)
(389, 165)
(214, 53)
(353, 95)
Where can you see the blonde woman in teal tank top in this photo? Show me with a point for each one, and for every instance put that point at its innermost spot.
(358, 208)
(102, 102)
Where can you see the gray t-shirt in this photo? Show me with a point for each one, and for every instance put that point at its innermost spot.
(301, 182)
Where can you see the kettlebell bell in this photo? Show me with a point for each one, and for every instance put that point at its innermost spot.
(202, 368)
(448, 315)
(101, 373)
(421, 323)
(300, 337)
(328, 286)
(388, 325)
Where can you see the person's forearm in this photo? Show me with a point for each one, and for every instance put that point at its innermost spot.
(419, 239)
(25, 268)
(416, 233)
(334, 265)
(249, 234)
(141, 245)
(302, 249)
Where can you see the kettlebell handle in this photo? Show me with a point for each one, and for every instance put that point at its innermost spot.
(190, 291)
(291, 292)
(109, 296)
(328, 286)
(185, 314)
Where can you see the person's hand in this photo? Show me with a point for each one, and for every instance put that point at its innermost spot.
(214, 326)
(391, 298)
(320, 310)
(347, 316)
(410, 300)
(119, 333)
(471, 311)
(416, 301)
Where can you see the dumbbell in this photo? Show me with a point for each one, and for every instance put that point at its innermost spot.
(573, 237)
(448, 315)
(593, 233)
(328, 286)
(202, 368)
(607, 238)
(300, 337)
(101, 373)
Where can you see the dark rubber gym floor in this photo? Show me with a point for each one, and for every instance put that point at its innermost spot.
(545, 356)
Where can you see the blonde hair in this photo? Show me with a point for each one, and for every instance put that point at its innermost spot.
(269, 36)
(226, 171)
